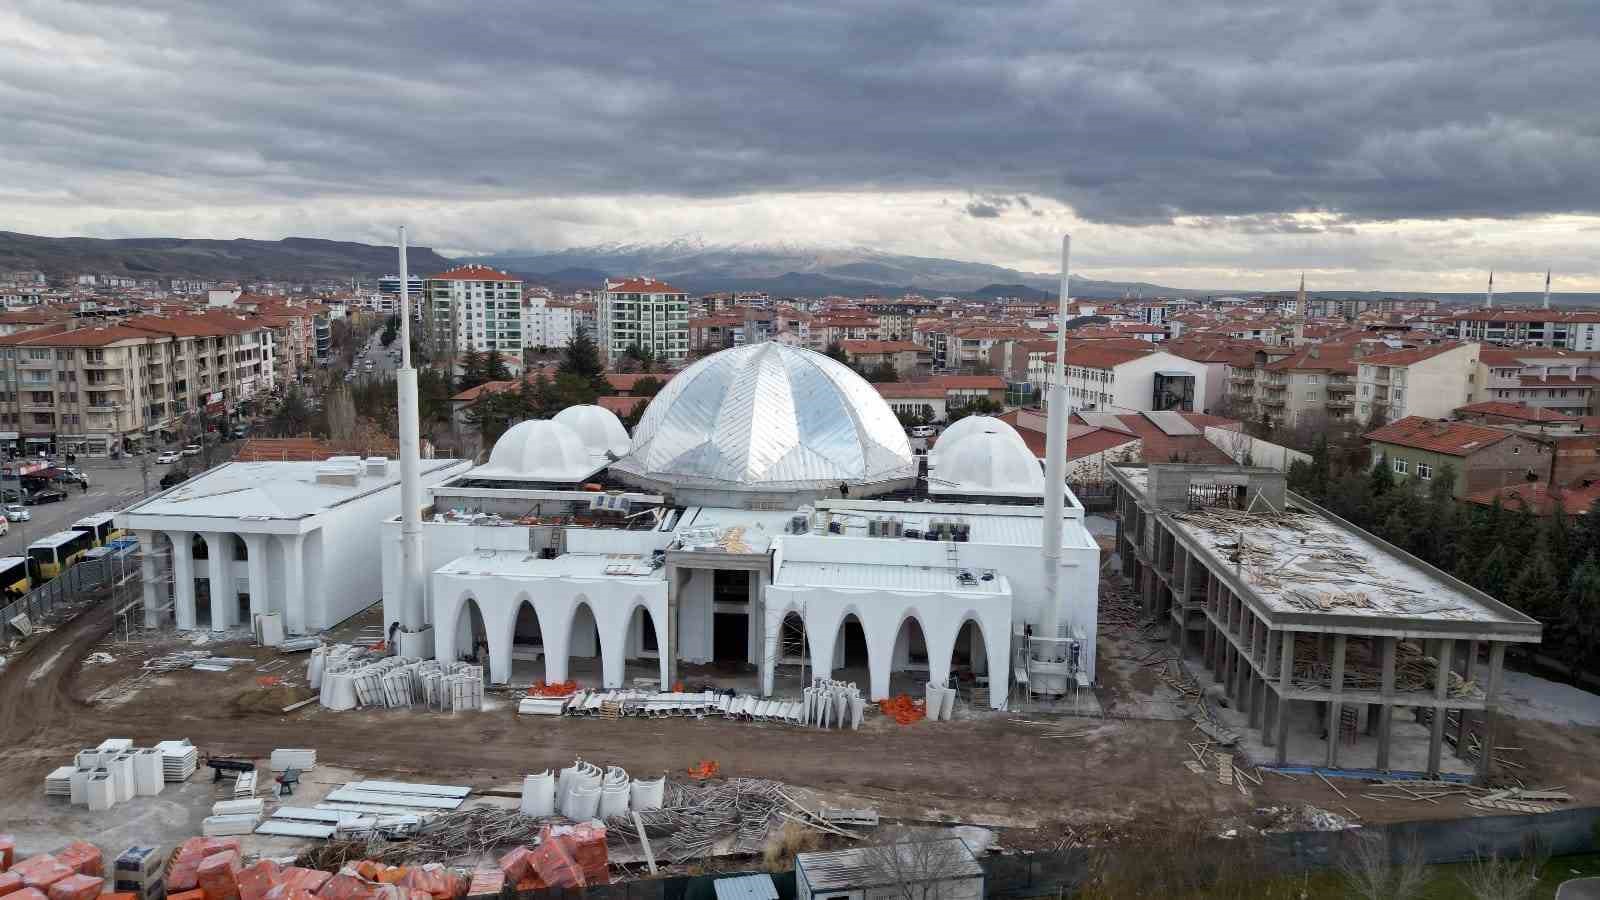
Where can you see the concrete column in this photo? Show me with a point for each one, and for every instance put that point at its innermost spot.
(149, 578)
(1441, 691)
(1269, 661)
(1337, 687)
(1491, 707)
(219, 571)
(1269, 714)
(1465, 718)
(677, 579)
(260, 582)
(1386, 704)
(294, 583)
(183, 578)
(1285, 706)
(755, 621)
(1257, 700)
(1208, 643)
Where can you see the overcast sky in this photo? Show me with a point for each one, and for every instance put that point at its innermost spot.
(1412, 144)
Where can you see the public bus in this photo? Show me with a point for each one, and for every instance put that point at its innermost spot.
(14, 578)
(102, 528)
(52, 555)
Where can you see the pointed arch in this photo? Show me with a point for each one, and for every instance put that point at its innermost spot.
(527, 641)
(471, 629)
(583, 638)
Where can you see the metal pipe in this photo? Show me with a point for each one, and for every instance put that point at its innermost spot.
(1546, 288)
(411, 586)
(1055, 465)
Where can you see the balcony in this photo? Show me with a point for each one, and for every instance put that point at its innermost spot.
(1342, 385)
(1275, 386)
(1341, 403)
(1274, 402)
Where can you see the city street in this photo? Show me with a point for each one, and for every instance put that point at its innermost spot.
(112, 485)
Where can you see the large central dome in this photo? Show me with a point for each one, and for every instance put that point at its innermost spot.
(769, 417)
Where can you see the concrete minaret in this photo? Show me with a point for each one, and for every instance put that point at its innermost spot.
(1546, 288)
(415, 638)
(1488, 298)
(1055, 466)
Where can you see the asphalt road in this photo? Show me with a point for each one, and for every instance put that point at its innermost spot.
(375, 351)
(112, 486)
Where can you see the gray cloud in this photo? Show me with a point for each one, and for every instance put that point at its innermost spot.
(1129, 112)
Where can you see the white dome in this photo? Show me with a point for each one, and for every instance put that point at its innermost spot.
(992, 463)
(964, 427)
(598, 427)
(540, 450)
(769, 417)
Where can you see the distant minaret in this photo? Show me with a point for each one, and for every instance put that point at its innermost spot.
(1298, 333)
(1488, 299)
(1546, 288)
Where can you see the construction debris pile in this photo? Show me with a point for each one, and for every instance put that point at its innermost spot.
(1413, 669)
(348, 676)
(116, 772)
(1306, 563)
(826, 704)
(1518, 800)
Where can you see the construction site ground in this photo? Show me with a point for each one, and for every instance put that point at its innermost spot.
(1041, 780)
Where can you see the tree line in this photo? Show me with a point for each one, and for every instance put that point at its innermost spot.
(1547, 567)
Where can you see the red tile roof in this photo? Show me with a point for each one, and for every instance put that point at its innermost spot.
(1540, 501)
(938, 387)
(471, 394)
(1518, 411)
(1100, 355)
(622, 406)
(1423, 433)
(871, 347)
(639, 285)
(624, 382)
(309, 449)
(474, 273)
(1407, 357)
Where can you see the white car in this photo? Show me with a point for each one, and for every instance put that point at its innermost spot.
(167, 456)
(192, 450)
(924, 431)
(16, 512)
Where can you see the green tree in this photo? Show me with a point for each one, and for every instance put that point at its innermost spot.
(1535, 590)
(493, 414)
(391, 330)
(883, 373)
(1320, 466)
(1494, 574)
(639, 359)
(293, 416)
(979, 406)
(472, 371)
(647, 387)
(836, 351)
(1579, 631)
(1558, 537)
(1381, 478)
(582, 357)
(494, 367)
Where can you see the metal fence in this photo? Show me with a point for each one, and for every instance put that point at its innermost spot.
(91, 580)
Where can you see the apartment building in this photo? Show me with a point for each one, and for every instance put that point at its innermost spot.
(938, 397)
(1560, 381)
(547, 323)
(908, 360)
(1119, 379)
(1308, 385)
(646, 312)
(92, 389)
(1422, 381)
(1578, 330)
(1482, 458)
(896, 318)
(472, 308)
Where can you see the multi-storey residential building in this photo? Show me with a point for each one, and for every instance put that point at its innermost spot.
(93, 389)
(1422, 381)
(906, 358)
(896, 317)
(1578, 330)
(1561, 381)
(1308, 385)
(547, 322)
(643, 311)
(1126, 380)
(473, 309)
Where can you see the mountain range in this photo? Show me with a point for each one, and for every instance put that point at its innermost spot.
(291, 259)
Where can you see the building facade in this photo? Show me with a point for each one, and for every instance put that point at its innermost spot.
(1423, 381)
(473, 309)
(645, 312)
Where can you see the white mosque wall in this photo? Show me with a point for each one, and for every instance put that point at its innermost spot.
(441, 543)
(564, 606)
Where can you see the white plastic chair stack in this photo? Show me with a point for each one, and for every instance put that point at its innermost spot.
(647, 794)
(539, 795)
(614, 793)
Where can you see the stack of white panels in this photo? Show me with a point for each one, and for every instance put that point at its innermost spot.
(238, 807)
(228, 826)
(293, 759)
(244, 786)
(99, 791)
(59, 782)
(121, 767)
(147, 780)
(89, 759)
(542, 706)
(179, 759)
(337, 691)
(80, 777)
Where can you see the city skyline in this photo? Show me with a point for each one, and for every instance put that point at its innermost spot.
(1197, 147)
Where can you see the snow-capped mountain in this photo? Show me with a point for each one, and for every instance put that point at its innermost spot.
(695, 265)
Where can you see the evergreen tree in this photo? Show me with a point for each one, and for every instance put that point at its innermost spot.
(883, 373)
(472, 371)
(1446, 526)
(1535, 590)
(836, 351)
(1586, 533)
(1494, 574)
(1381, 478)
(1302, 481)
(1579, 628)
(1520, 530)
(1320, 467)
(1558, 538)
(494, 367)
(582, 357)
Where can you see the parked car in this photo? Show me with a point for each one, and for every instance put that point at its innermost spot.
(176, 476)
(48, 495)
(10, 495)
(924, 431)
(167, 456)
(16, 512)
(192, 450)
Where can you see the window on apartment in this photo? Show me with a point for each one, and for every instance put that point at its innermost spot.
(1516, 450)
(1424, 471)
(1311, 396)
(1401, 466)
(1313, 379)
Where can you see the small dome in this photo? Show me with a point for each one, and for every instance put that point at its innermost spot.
(992, 463)
(769, 417)
(963, 427)
(540, 450)
(600, 429)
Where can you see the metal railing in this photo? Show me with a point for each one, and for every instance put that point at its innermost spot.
(88, 580)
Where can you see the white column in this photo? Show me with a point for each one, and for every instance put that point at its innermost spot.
(149, 577)
(219, 569)
(260, 583)
(294, 583)
(183, 578)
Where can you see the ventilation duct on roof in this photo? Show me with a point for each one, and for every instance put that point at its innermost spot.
(340, 470)
(378, 466)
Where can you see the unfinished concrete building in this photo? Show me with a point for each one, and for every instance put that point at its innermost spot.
(1325, 643)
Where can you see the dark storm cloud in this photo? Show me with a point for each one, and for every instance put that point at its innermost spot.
(987, 207)
(1130, 111)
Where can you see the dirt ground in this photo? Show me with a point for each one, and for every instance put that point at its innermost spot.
(1037, 785)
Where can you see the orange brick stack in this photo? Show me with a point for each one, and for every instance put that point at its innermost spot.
(434, 880)
(28, 893)
(256, 879)
(219, 876)
(487, 881)
(192, 894)
(77, 887)
(346, 886)
(83, 858)
(8, 849)
(307, 880)
(184, 873)
(284, 891)
(39, 872)
(553, 863)
(10, 883)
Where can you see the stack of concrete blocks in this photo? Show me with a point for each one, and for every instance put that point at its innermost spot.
(147, 772)
(116, 772)
(179, 759)
(941, 702)
(833, 704)
(233, 817)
